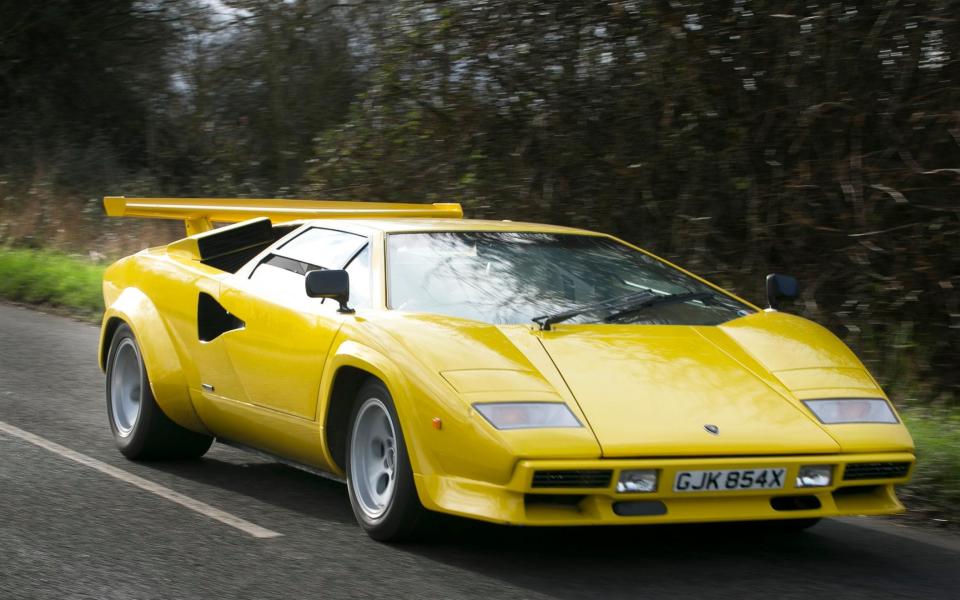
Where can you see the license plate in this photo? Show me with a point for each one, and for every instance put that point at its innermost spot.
(730, 480)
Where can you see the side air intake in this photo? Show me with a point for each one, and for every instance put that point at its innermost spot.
(213, 320)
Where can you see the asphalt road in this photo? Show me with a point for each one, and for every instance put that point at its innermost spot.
(69, 530)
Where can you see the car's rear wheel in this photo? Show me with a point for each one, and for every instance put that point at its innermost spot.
(140, 428)
(379, 477)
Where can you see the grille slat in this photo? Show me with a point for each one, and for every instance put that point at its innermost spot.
(587, 478)
(889, 470)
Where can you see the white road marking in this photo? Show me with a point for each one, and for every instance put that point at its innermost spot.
(144, 484)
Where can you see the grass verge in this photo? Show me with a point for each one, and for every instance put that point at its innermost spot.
(46, 278)
(72, 283)
(933, 495)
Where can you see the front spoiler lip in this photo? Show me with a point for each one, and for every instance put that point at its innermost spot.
(517, 502)
(668, 467)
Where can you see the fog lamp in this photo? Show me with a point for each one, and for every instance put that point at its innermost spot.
(637, 481)
(815, 476)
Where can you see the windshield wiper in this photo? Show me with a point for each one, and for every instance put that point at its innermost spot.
(632, 303)
(545, 321)
(657, 300)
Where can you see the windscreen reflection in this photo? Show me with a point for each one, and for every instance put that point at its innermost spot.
(507, 277)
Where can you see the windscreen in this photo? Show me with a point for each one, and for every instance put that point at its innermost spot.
(507, 277)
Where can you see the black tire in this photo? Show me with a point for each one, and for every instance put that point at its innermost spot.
(150, 435)
(404, 517)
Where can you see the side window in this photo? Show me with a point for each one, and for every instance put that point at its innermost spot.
(325, 248)
(359, 271)
(282, 272)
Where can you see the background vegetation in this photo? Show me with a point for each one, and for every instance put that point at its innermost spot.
(737, 137)
(52, 279)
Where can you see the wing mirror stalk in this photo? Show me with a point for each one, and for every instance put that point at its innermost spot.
(780, 287)
(330, 283)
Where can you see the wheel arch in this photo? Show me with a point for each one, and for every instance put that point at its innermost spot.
(107, 331)
(160, 357)
(349, 366)
(343, 392)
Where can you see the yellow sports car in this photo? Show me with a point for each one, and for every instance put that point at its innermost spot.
(510, 372)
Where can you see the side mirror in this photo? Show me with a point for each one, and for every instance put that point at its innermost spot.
(779, 287)
(328, 283)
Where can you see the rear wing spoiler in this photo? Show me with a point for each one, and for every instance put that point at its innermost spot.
(199, 214)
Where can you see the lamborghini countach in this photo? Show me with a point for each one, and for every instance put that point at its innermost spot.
(515, 373)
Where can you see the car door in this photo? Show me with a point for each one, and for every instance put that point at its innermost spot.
(278, 354)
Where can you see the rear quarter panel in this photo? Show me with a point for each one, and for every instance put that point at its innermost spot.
(156, 295)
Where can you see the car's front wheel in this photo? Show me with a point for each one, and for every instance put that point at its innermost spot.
(379, 476)
(140, 428)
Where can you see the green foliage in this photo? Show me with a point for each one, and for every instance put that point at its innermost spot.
(52, 278)
(78, 80)
(257, 95)
(935, 488)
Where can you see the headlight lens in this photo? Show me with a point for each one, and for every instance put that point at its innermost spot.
(527, 415)
(852, 410)
(814, 476)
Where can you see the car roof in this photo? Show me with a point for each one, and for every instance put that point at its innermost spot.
(428, 225)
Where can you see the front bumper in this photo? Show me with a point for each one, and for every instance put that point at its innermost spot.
(519, 502)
